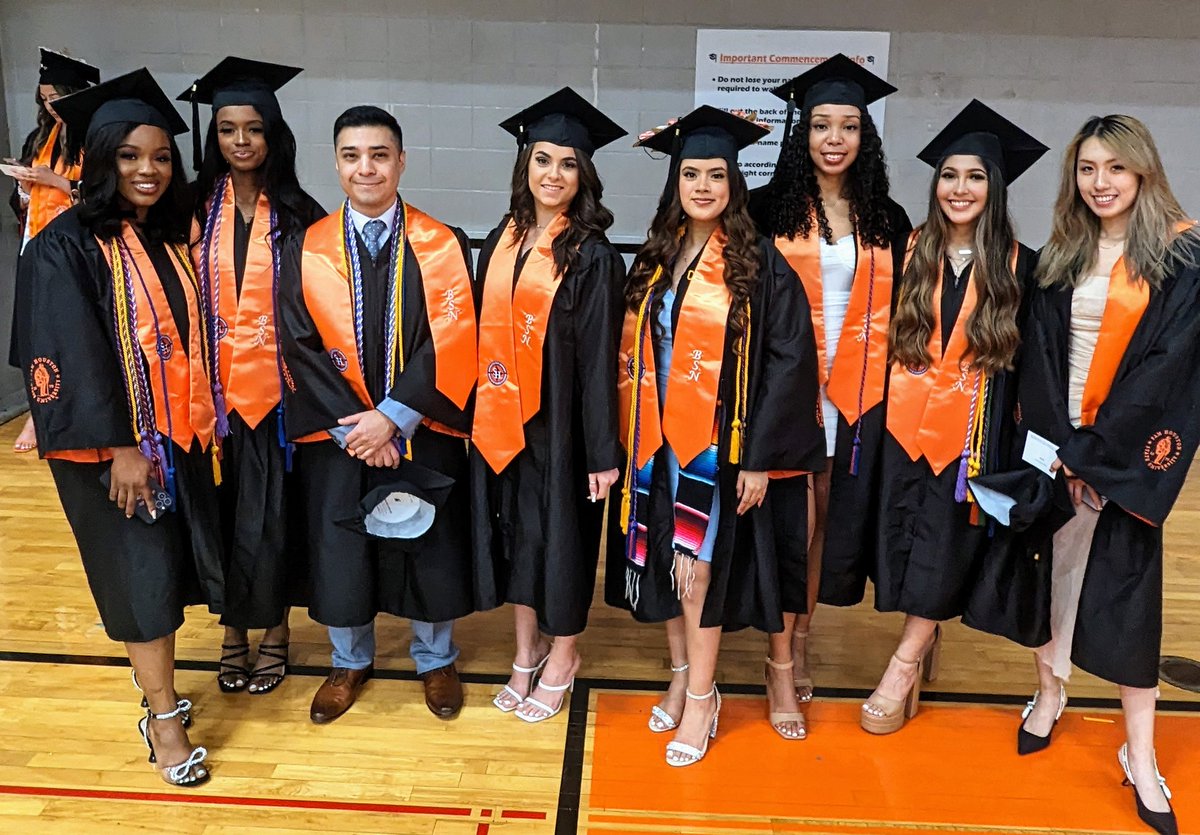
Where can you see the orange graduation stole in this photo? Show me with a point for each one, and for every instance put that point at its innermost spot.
(48, 202)
(247, 363)
(189, 412)
(328, 295)
(856, 380)
(690, 407)
(931, 409)
(512, 330)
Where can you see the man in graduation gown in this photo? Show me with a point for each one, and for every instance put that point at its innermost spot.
(379, 349)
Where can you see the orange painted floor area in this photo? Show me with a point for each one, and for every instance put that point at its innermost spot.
(954, 768)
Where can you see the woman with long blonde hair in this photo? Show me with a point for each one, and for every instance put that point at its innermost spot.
(1111, 377)
(954, 337)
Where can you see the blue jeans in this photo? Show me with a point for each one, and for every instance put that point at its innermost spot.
(432, 645)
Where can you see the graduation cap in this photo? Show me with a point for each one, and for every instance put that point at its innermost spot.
(564, 118)
(134, 97)
(1024, 498)
(236, 81)
(979, 131)
(836, 80)
(60, 69)
(706, 133)
(402, 504)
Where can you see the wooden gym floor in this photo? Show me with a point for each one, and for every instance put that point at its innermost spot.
(71, 760)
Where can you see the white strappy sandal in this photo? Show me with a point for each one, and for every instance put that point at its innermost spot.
(693, 754)
(551, 712)
(517, 697)
(660, 721)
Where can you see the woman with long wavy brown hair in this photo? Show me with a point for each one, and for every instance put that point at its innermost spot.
(954, 338)
(718, 380)
(829, 210)
(1110, 375)
(545, 446)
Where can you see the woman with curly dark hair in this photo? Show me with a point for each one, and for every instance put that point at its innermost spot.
(545, 449)
(248, 203)
(719, 392)
(953, 341)
(48, 171)
(111, 337)
(828, 208)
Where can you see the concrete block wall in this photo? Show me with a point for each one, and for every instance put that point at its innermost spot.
(451, 69)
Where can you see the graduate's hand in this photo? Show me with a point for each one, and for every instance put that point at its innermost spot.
(751, 490)
(1077, 487)
(372, 431)
(388, 457)
(599, 484)
(46, 176)
(129, 480)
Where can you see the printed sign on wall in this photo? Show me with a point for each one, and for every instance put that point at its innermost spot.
(736, 69)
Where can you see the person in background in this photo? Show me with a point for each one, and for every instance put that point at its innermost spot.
(47, 173)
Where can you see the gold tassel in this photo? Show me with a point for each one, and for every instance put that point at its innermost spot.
(216, 465)
(626, 506)
(735, 442)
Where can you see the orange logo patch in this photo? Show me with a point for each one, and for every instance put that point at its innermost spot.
(1163, 449)
(45, 381)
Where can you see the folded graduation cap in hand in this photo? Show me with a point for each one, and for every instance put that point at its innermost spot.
(1019, 499)
(402, 504)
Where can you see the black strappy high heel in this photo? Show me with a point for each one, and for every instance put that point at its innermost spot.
(227, 676)
(274, 679)
(184, 705)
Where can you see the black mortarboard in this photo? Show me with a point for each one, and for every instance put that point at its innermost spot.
(1022, 498)
(134, 97)
(979, 131)
(706, 133)
(836, 80)
(400, 503)
(232, 82)
(564, 118)
(56, 68)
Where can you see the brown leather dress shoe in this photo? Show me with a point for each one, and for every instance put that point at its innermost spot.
(443, 691)
(337, 693)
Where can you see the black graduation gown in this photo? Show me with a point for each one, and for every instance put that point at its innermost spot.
(537, 536)
(141, 575)
(262, 575)
(352, 576)
(928, 553)
(1155, 399)
(759, 563)
(28, 151)
(851, 528)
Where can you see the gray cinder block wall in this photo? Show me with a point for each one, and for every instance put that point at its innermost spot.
(450, 70)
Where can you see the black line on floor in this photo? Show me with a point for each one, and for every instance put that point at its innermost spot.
(733, 689)
(566, 821)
